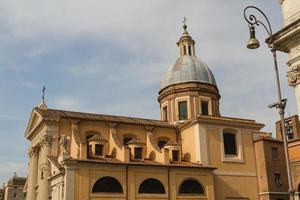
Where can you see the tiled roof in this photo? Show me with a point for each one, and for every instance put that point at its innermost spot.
(144, 163)
(17, 180)
(52, 114)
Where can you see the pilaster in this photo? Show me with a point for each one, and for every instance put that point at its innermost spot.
(44, 167)
(33, 171)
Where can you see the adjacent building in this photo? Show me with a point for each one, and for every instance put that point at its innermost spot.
(14, 189)
(292, 125)
(271, 168)
(192, 152)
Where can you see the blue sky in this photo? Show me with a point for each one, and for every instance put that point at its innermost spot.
(109, 57)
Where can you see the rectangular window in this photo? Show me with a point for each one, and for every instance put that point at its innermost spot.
(277, 179)
(175, 155)
(182, 110)
(165, 113)
(289, 130)
(274, 153)
(98, 149)
(138, 151)
(184, 50)
(190, 50)
(229, 144)
(204, 107)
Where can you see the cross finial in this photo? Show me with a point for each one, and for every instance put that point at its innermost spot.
(184, 25)
(184, 20)
(43, 95)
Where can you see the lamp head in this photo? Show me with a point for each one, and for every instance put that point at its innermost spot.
(253, 43)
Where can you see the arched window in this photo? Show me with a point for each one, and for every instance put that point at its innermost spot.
(107, 184)
(191, 186)
(152, 186)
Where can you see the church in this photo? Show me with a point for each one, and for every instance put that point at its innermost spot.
(192, 152)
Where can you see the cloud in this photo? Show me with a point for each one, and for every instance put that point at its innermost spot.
(109, 56)
(66, 103)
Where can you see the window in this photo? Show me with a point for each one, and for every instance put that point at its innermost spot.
(165, 113)
(161, 143)
(14, 194)
(184, 50)
(152, 186)
(107, 184)
(277, 179)
(191, 186)
(204, 107)
(289, 130)
(230, 147)
(138, 151)
(274, 153)
(98, 149)
(182, 110)
(190, 50)
(175, 155)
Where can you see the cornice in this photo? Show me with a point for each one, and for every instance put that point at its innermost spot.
(222, 121)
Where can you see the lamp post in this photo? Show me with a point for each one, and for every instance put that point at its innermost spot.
(253, 43)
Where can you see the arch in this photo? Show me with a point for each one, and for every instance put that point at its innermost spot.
(191, 186)
(107, 184)
(152, 186)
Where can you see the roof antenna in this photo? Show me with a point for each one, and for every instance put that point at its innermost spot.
(42, 104)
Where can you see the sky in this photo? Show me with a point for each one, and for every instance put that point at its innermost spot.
(109, 57)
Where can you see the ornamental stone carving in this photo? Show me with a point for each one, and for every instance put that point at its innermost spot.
(34, 151)
(64, 145)
(293, 76)
(46, 140)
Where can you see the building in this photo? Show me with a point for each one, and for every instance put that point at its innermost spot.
(13, 189)
(292, 125)
(271, 168)
(192, 152)
(2, 193)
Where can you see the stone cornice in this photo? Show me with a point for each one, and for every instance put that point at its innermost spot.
(287, 37)
(223, 121)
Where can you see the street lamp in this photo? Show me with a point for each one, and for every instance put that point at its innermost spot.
(253, 43)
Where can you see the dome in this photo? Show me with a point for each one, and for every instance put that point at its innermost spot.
(188, 68)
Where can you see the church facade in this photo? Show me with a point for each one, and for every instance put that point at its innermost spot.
(192, 152)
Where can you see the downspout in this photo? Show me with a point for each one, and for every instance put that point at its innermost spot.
(169, 184)
(127, 185)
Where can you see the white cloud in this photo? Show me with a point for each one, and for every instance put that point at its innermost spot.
(66, 103)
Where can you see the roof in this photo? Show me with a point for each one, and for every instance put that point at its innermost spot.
(16, 180)
(188, 68)
(53, 114)
(114, 161)
(262, 138)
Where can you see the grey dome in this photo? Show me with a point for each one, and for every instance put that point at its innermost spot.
(188, 69)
